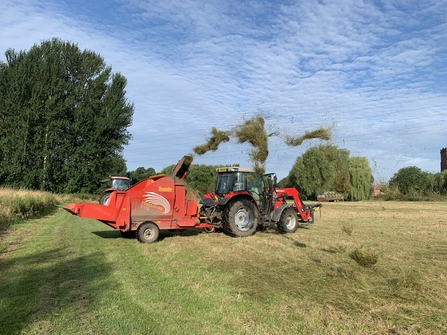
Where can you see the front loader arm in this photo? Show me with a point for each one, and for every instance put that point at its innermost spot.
(306, 212)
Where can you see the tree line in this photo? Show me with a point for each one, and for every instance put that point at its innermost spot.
(411, 183)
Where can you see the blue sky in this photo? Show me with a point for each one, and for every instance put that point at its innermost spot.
(375, 71)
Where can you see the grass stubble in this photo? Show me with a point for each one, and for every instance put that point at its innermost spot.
(365, 267)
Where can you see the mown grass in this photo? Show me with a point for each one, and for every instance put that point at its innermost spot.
(66, 275)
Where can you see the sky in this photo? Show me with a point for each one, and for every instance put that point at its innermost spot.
(375, 72)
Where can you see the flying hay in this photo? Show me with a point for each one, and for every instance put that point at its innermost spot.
(321, 133)
(213, 142)
(253, 132)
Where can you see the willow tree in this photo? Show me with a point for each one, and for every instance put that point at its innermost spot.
(312, 173)
(361, 178)
(327, 168)
(64, 118)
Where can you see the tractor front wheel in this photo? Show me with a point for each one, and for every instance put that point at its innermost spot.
(288, 222)
(241, 218)
(148, 232)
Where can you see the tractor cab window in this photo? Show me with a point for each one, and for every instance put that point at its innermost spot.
(223, 183)
(120, 184)
(240, 183)
(231, 182)
(254, 182)
(255, 185)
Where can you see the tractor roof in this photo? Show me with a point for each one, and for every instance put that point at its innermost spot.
(119, 177)
(234, 169)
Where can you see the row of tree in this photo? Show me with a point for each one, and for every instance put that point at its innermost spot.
(64, 119)
(320, 169)
(329, 169)
(412, 183)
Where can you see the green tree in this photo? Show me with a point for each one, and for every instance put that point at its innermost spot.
(140, 174)
(312, 173)
(339, 159)
(64, 118)
(412, 180)
(327, 168)
(361, 178)
(200, 177)
(440, 182)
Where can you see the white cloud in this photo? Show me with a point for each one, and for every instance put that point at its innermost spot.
(375, 71)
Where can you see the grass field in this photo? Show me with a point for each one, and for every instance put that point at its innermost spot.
(362, 268)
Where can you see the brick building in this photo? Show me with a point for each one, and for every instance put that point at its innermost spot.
(443, 159)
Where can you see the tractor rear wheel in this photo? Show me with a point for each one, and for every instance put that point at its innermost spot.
(288, 223)
(240, 218)
(104, 200)
(148, 232)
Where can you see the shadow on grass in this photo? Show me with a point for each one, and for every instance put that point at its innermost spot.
(299, 245)
(295, 243)
(37, 288)
(163, 233)
(108, 233)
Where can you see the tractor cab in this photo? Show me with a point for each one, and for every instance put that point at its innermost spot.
(120, 183)
(235, 179)
(231, 180)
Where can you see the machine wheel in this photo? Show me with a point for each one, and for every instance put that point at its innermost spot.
(104, 200)
(288, 223)
(148, 232)
(240, 218)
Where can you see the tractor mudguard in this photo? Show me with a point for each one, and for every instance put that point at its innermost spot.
(207, 202)
(276, 214)
(236, 196)
(223, 201)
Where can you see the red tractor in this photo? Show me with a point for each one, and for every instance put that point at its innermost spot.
(245, 201)
(242, 203)
(118, 183)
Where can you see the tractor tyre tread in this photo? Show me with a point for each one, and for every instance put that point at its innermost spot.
(288, 223)
(229, 223)
(105, 198)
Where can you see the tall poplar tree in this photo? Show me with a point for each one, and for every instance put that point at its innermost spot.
(64, 118)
